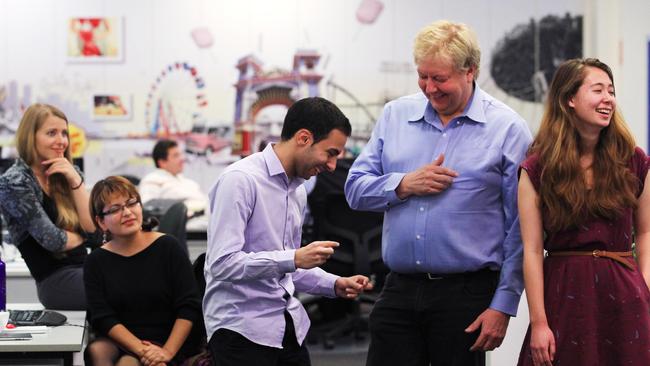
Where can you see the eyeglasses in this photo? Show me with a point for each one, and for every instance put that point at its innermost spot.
(119, 209)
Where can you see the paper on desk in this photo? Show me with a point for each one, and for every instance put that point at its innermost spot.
(34, 329)
(4, 336)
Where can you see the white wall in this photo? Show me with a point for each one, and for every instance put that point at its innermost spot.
(33, 35)
(617, 33)
(633, 72)
(508, 353)
(157, 33)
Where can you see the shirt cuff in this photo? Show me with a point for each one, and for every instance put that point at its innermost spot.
(505, 302)
(330, 281)
(391, 185)
(287, 261)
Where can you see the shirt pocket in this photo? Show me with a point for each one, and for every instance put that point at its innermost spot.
(478, 169)
(468, 183)
(474, 162)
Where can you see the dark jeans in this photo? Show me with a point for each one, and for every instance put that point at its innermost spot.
(417, 321)
(230, 348)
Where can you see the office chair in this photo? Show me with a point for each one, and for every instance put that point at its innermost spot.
(172, 217)
(131, 178)
(359, 234)
(198, 329)
(197, 266)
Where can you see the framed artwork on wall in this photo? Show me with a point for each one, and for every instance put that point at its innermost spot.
(95, 39)
(111, 107)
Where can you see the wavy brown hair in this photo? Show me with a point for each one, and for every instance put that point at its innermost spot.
(565, 198)
(25, 140)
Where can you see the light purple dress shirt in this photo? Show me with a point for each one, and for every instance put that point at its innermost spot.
(254, 230)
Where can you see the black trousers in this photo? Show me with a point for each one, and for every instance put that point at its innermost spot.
(230, 348)
(419, 321)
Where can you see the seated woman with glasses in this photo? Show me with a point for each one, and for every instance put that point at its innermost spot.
(141, 292)
(45, 206)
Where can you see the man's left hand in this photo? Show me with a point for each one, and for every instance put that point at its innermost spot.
(351, 287)
(493, 326)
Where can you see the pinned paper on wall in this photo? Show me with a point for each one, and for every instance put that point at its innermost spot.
(369, 11)
(95, 39)
(111, 106)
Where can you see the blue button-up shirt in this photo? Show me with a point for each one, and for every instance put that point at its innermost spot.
(254, 231)
(474, 223)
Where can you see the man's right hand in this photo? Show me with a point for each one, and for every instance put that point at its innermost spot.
(314, 254)
(430, 179)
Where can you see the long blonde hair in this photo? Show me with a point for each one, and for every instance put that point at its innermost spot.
(25, 140)
(565, 199)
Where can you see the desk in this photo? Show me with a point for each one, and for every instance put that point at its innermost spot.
(55, 347)
(21, 287)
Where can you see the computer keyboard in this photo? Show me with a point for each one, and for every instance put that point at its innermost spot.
(36, 317)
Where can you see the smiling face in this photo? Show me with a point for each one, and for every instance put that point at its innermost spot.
(321, 156)
(594, 102)
(447, 89)
(51, 139)
(121, 216)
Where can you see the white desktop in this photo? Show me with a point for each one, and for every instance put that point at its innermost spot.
(59, 345)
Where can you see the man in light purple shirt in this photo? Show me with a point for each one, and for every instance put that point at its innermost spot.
(254, 263)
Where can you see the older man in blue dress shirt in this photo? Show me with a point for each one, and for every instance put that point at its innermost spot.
(254, 263)
(442, 165)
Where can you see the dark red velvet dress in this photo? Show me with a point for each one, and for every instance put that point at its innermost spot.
(597, 309)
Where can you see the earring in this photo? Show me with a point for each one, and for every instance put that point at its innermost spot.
(104, 237)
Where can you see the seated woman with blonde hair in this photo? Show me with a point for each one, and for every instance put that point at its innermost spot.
(45, 206)
(141, 292)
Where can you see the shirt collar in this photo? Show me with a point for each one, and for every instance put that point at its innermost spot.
(274, 166)
(167, 173)
(473, 110)
(273, 163)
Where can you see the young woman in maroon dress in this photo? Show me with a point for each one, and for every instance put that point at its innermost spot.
(581, 194)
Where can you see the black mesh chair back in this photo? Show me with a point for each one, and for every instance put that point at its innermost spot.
(172, 217)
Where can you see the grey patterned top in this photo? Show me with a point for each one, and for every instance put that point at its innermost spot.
(21, 202)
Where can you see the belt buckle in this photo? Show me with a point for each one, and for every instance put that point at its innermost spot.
(432, 277)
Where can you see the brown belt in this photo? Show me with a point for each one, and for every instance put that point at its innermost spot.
(616, 256)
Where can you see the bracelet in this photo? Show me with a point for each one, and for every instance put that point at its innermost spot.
(79, 185)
